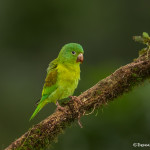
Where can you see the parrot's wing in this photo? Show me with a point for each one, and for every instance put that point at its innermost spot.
(50, 81)
(49, 86)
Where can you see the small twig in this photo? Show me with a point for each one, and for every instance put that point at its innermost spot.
(25, 138)
(91, 111)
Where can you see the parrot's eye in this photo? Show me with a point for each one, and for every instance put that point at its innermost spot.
(73, 52)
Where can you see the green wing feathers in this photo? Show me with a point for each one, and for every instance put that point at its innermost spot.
(49, 86)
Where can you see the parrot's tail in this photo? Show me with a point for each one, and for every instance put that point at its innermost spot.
(39, 107)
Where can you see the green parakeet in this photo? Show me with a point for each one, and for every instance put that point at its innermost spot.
(63, 75)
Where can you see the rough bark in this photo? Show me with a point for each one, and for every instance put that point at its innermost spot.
(41, 135)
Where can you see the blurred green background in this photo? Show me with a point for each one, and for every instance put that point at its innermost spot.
(31, 35)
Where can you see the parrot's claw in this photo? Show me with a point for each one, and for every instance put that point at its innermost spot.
(60, 107)
(76, 99)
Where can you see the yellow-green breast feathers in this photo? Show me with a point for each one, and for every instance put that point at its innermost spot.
(68, 78)
(62, 77)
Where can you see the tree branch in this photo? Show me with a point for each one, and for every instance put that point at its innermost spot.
(41, 135)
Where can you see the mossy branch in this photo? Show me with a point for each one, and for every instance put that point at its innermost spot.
(41, 135)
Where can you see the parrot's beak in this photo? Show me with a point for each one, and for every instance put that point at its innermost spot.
(80, 58)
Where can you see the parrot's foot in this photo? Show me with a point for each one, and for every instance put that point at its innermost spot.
(60, 107)
(76, 99)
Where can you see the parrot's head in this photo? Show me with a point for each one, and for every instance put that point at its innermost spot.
(71, 53)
